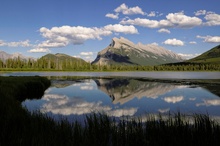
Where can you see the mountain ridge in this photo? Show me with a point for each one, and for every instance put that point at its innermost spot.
(4, 56)
(61, 57)
(123, 51)
(210, 56)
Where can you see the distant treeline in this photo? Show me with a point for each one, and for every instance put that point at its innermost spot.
(68, 65)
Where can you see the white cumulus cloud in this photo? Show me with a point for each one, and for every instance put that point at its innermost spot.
(141, 22)
(113, 16)
(86, 53)
(25, 43)
(88, 56)
(212, 19)
(188, 56)
(183, 21)
(200, 12)
(210, 39)
(163, 30)
(2, 43)
(39, 50)
(173, 42)
(53, 44)
(173, 20)
(124, 9)
(71, 34)
(57, 37)
(154, 43)
(118, 28)
(152, 14)
(193, 42)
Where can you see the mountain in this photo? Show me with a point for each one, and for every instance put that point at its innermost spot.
(4, 56)
(62, 57)
(123, 51)
(211, 56)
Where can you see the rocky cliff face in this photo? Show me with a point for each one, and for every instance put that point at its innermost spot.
(123, 51)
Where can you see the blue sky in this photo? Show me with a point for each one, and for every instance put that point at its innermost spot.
(84, 27)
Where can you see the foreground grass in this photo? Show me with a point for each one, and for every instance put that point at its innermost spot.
(20, 127)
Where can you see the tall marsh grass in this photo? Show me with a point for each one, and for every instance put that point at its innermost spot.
(20, 127)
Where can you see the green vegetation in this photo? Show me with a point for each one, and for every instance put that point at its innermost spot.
(22, 88)
(48, 64)
(62, 61)
(212, 56)
(20, 127)
(188, 66)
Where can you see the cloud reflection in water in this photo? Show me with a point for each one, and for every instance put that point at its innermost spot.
(209, 102)
(174, 99)
(61, 104)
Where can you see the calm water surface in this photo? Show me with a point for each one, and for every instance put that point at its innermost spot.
(123, 96)
(158, 75)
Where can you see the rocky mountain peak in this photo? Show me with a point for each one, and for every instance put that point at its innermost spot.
(118, 42)
(124, 51)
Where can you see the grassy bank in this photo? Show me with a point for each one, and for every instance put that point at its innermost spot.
(20, 127)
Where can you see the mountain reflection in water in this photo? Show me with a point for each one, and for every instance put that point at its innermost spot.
(124, 90)
(123, 97)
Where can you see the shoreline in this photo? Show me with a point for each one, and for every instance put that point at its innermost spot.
(141, 74)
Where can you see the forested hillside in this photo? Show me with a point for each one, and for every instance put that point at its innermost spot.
(46, 64)
(211, 56)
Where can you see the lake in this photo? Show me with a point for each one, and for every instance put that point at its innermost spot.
(158, 75)
(72, 95)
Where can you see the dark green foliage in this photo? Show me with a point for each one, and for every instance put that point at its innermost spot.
(61, 62)
(188, 66)
(23, 88)
(48, 62)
